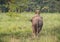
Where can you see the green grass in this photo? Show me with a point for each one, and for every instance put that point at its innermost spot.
(16, 27)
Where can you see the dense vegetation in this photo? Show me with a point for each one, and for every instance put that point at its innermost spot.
(29, 5)
(15, 24)
(16, 27)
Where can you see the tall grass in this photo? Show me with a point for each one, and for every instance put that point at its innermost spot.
(16, 27)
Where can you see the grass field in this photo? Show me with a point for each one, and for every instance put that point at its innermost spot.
(16, 27)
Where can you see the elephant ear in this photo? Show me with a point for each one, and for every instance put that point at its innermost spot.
(31, 20)
(41, 17)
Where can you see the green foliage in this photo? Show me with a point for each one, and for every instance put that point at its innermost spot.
(30, 5)
(12, 14)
